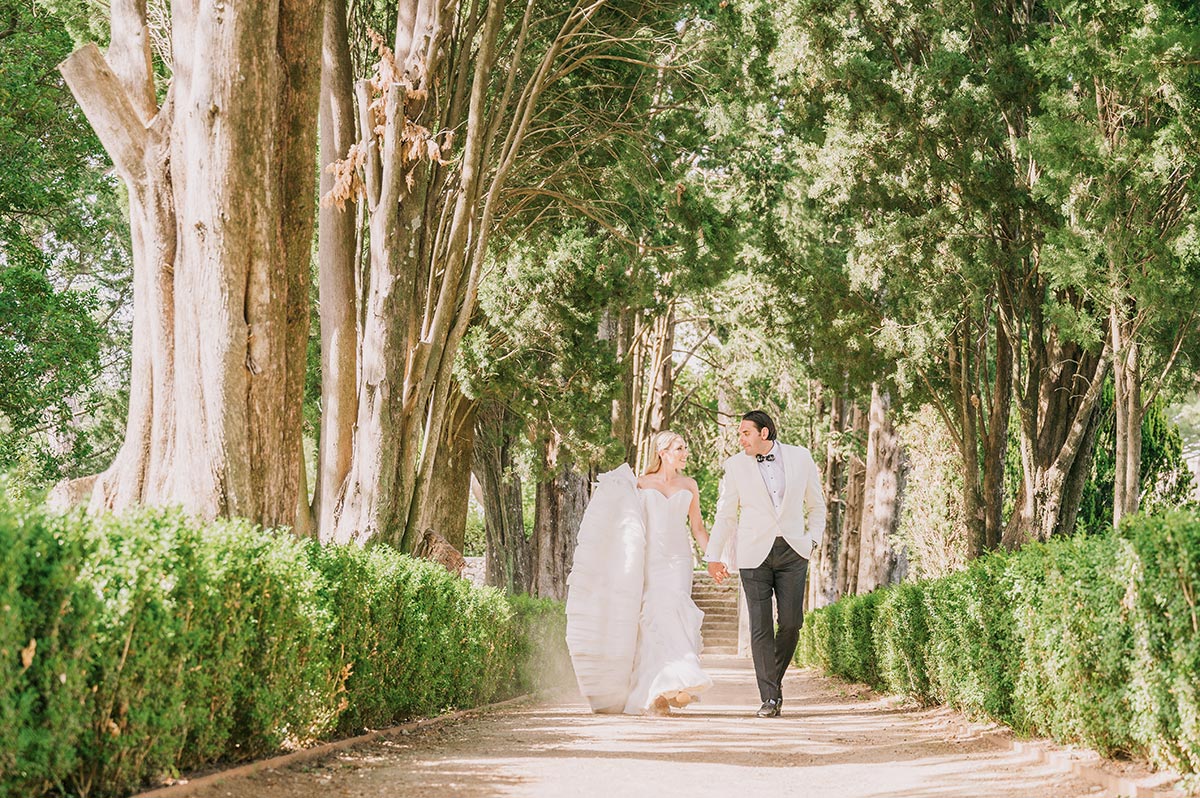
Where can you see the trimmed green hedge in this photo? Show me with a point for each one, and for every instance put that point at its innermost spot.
(1091, 640)
(138, 647)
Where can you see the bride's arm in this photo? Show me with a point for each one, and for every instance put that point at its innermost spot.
(694, 517)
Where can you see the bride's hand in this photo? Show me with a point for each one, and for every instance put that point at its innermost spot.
(718, 571)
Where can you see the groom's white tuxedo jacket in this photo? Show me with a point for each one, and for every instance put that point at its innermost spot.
(747, 523)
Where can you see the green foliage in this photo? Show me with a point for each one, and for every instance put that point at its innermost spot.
(543, 662)
(411, 638)
(63, 262)
(1088, 640)
(1075, 643)
(140, 646)
(1165, 481)
(933, 527)
(1161, 569)
(47, 614)
(901, 636)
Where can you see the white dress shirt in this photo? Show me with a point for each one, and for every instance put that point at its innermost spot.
(772, 475)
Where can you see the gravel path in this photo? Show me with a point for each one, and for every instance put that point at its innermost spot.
(833, 741)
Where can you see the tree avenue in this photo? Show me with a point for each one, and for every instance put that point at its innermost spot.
(951, 248)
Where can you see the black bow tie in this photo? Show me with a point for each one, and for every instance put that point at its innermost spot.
(770, 458)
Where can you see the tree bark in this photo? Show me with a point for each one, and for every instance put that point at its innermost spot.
(337, 237)
(823, 578)
(852, 518)
(561, 498)
(1059, 393)
(445, 509)
(1129, 414)
(508, 556)
(220, 185)
(881, 501)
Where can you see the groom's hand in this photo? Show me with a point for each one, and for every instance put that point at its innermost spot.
(718, 571)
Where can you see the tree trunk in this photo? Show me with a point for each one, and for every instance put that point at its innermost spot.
(338, 228)
(823, 574)
(1078, 476)
(964, 362)
(1061, 388)
(562, 496)
(448, 493)
(508, 555)
(852, 518)
(1129, 413)
(880, 504)
(220, 185)
(662, 383)
(429, 223)
(995, 440)
(618, 328)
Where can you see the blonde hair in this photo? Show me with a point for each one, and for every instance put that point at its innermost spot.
(660, 442)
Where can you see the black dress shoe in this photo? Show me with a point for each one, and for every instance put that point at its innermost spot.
(770, 708)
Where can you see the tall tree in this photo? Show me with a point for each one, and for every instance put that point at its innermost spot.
(1119, 144)
(220, 183)
(441, 132)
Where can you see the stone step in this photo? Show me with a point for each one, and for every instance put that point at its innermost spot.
(726, 627)
(719, 617)
(715, 603)
(720, 646)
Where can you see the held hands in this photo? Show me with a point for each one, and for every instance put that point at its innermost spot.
(718, 571)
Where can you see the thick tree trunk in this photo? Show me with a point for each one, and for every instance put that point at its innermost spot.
(1078, 476)
(338, 228)
(881, 502)
(444, 509)
(508, 555)
(220, 182)
(852, 518)
(1061, 389)
(963, 363)
(561, 498)
(995, 440)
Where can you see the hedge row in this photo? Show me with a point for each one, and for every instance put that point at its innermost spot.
(1091, 640)
(134, 648)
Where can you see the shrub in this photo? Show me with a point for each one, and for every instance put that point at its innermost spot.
(46, 616)
(1075, 644)
(1092, 640)
(543, 661)
(900, 637)
(1160, 566)
(135, 647)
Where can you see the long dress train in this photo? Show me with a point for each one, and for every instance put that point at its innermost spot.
(632, 627)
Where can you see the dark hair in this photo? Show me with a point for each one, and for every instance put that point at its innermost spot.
(760, 419)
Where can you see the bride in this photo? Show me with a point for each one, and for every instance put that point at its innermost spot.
(632, 628)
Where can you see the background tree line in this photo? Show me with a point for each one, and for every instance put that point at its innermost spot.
(952, 249)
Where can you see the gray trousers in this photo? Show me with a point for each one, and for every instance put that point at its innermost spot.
(782, 574)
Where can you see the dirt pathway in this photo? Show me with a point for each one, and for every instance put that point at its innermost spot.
(830, 743)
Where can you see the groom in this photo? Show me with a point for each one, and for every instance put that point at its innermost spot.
(771, 497)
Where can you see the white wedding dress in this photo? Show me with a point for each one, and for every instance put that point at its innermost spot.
(632, 628)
